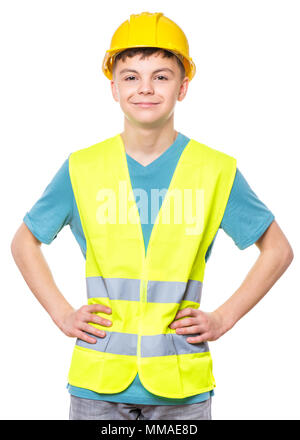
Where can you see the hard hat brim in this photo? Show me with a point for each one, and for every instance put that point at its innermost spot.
(107, 64)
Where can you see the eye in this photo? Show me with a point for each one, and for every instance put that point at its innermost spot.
(158, 76)
(161, 76)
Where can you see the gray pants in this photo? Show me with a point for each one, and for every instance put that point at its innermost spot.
(87, 409)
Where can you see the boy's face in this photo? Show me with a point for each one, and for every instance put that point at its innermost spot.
(137, 82)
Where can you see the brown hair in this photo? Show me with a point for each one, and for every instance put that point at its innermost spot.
(146, 52)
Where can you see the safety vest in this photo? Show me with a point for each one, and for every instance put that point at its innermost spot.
(146, 290)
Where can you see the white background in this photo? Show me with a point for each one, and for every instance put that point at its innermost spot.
(244, 100)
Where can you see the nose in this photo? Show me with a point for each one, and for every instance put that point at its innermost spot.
(145, 87)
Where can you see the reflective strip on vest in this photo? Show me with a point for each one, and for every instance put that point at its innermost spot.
(158, 291)
(156, 345)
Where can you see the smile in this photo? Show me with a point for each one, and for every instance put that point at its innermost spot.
(146, 105)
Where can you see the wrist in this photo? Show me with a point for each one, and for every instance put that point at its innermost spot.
(59, 316)
(226, 321)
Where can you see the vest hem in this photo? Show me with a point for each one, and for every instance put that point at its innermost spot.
(177, 396)
(150, 389)
(88, 387)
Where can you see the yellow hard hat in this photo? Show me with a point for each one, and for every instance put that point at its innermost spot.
(149, 30)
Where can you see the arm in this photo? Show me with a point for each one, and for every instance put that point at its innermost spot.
(275, 257)
(26, 251)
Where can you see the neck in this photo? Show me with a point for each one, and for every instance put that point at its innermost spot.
(140, 141)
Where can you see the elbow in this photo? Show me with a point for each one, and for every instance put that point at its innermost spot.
(13, 245)
(287, 256)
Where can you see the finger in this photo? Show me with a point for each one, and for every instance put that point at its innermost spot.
(183, 322)
(84, 337)
(198, 339)
(187, 330)
(93, 330)
(94, 308)
(188, 311)
(98, 320)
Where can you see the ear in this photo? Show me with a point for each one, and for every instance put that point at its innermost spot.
(183, 89)
(114, 90)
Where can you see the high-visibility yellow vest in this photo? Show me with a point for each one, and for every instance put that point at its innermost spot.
(146, 290)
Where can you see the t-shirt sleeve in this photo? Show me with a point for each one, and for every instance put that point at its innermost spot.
(54, 209)
(246, 217)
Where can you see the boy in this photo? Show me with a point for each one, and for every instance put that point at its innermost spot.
(141, 350)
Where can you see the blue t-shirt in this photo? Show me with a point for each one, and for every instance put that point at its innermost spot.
(245, 219)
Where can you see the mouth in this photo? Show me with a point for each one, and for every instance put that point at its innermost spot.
(145, 104)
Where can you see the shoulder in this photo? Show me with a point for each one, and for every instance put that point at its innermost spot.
(87, 154)
(207, 155)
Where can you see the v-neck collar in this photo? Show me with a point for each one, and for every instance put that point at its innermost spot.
(173, 180)
(160, 159)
